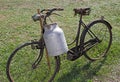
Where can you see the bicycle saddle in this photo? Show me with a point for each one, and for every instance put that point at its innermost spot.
(82, 11)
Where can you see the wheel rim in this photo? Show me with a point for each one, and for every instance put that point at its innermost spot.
(102, 31)
(19, 66)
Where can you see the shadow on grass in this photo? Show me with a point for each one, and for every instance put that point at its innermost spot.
(82, 73)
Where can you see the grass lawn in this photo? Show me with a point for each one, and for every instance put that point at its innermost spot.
(16, 27)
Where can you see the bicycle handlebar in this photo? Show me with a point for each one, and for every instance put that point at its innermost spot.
(49, 11)
(54, 9)
(47, 14)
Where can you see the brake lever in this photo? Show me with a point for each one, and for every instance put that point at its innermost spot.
(54, 14)
(57, 14)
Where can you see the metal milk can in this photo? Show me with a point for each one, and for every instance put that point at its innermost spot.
(54, 40)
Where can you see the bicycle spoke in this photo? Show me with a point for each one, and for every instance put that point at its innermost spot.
(97, 39)
(20, 65)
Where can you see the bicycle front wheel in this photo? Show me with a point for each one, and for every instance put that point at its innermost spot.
(22, 65)
(96, 39)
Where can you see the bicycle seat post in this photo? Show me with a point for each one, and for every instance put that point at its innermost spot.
(80, 18)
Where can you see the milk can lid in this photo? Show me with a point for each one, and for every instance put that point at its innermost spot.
(50, 27)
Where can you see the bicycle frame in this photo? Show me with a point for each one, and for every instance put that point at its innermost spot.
(81, 23)
(78, 36)
(77, 39)
(79, 48)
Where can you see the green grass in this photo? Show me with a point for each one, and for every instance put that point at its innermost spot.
(16, 27)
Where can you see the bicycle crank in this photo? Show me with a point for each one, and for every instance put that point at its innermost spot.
(73, 54)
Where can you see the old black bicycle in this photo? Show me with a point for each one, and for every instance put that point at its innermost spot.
(28, 63)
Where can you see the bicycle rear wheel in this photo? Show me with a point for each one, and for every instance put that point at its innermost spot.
(22, 65)
(96, 39)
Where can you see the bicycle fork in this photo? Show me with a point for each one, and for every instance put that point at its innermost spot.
(41, 47)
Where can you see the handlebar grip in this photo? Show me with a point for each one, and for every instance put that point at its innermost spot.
(59, 9)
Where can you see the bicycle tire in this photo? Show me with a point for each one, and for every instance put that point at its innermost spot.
(102, 30)
(19, 66)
